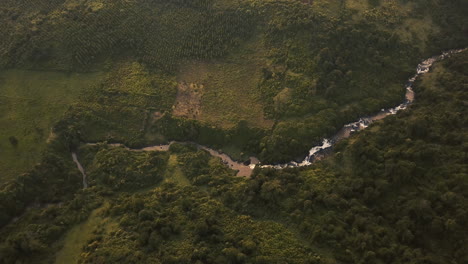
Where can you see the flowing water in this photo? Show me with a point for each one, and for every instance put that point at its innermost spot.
(364, 122)
(315, 152)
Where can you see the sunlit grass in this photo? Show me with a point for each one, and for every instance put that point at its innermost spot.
(78, 236)
(231, 91)
(30, 103)
(174, 172)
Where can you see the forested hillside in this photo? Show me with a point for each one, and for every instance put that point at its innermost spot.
(395, 193)
(251, 78)
(312, 67)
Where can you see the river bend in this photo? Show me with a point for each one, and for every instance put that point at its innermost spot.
(316, 151)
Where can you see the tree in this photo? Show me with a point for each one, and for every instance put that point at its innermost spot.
(13, 141)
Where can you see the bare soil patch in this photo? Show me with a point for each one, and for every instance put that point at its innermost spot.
(188, 101)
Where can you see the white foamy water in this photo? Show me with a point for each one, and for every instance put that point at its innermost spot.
(364, 122)
(316, 151)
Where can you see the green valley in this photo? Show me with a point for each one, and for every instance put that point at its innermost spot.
(145, 96)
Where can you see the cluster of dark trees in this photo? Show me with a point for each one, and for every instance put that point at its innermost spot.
(158, 33)
(119, 169)
(38, 207)
(175, 225)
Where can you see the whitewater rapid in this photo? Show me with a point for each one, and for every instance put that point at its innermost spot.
(316, 151)
(423, 68)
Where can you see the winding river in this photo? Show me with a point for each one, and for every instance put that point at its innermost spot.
(315, 152)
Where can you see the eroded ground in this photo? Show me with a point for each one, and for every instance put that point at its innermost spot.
(223, 93)
(188, 103)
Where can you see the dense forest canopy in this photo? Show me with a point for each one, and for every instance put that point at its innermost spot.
(263, 78)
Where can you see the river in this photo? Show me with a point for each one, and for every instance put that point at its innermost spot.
(315, 152)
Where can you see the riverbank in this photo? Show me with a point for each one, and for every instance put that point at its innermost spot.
(245, 170)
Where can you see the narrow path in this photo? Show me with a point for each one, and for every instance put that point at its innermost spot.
(81, 169)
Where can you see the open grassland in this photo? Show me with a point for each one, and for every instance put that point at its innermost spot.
(30, 103)
(230, 88)
(78, 236)
(174, 172)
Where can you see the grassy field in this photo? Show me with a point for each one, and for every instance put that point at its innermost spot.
(174, 172)
(30, 103)
(79, 235)
(230, 88)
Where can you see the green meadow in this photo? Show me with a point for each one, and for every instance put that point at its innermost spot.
(30, 103)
